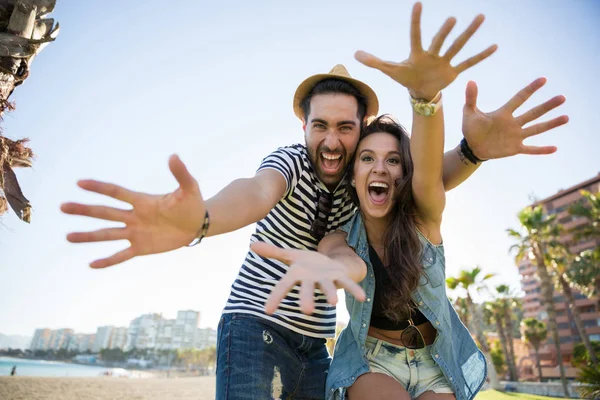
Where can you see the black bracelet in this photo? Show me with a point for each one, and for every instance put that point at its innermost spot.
(468, 153)
(202, 232)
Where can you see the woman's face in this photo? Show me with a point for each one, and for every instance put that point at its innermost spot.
(376, 169)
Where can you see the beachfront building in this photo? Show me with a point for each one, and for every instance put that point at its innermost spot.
(103, 338)
(205, 337)
(164, 337)
(85, 342)
(143, 332)
(41, 339)
(185, 329)
(558, 205)
(118, 339)
(61, 339)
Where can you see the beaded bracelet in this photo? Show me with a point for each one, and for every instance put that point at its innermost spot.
(202, 232)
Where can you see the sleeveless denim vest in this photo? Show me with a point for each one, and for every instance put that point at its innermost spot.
(454, 350)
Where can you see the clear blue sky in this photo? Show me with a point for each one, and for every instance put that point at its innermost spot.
(126, 85)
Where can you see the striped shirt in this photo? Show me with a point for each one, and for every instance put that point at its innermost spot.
(288, 226)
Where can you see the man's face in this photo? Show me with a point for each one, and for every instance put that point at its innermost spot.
(332, 130)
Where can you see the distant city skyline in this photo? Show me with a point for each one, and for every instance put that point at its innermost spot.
(147, 331)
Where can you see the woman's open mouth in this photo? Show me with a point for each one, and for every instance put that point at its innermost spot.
(378, 192)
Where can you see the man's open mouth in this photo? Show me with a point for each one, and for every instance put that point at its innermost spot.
(331, 162)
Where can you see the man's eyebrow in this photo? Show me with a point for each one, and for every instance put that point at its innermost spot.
(322, 121)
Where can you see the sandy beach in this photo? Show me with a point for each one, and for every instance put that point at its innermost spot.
(106, 388)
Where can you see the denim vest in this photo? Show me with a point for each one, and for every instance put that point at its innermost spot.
(454, 350)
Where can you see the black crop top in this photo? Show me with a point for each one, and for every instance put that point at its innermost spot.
(378, 318)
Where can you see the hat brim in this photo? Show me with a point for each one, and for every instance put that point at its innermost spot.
(309, 83)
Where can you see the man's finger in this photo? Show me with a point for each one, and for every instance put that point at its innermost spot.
(468, 63)
(108, 189)
(471, 95)
(115, 259)
(181, 173)
(352, 287)
(268, 250)
(307, 297)
(538, 150)
(374, 62)
(440, 37)
(464, 37)
(524, 94)
(540, 110)
(100, 212)
(329, 290)
(101, 235)
(280, 290)
(545, 126)
(415, 28)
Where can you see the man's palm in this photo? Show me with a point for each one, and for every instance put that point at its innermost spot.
(155, 224)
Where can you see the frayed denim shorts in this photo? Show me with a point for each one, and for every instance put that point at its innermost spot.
(415, 369)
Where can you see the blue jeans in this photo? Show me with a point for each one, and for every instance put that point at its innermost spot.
(259, 359)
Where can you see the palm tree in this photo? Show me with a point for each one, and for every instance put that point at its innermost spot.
(493, 313)
(541, 233)
(24, 32)
(558, 258)
(585, 268)
(468, 281)
(508, 302)
(535, 333)
(585, 272)
(589, 209)
(460, 305)
(590, 376)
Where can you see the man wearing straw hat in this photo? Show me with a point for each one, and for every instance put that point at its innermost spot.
(298, 195)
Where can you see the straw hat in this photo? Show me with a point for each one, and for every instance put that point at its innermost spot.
(337, 72)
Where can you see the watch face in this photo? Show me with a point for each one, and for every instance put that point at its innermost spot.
(425, 109)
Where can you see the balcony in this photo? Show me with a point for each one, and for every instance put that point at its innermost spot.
(575, 222)
(587, 303)
(528, 270)
(579, 247)
(530, 314)
(531, 298)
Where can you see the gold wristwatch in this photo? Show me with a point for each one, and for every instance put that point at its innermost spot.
(426, 108)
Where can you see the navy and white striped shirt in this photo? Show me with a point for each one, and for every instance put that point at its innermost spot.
(288, 226)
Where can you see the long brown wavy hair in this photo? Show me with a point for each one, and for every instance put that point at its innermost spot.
(401, 242)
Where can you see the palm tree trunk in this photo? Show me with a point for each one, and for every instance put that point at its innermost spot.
(547, 295)
(504, 344)
(24, 31)
(477, 323)
(577, 317)
(510, 340)
(597, 284)
(537, 361)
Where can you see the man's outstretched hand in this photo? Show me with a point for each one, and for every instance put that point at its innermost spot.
(154, 224)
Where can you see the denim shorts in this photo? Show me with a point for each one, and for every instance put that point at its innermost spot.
(415, 370)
